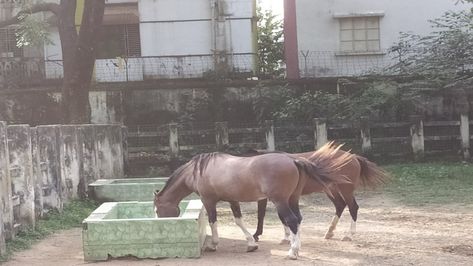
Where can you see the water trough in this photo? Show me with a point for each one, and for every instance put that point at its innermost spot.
(118, 229)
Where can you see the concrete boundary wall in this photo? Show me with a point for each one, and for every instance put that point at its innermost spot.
(44, 167)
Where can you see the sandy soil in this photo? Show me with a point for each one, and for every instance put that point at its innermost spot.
(388, 234)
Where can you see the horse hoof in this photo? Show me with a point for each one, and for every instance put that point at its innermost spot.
(346, 238)
(210, 249)
(256, 238)
(293, 256)
(328, 235)
(285, 242)
(251, 248)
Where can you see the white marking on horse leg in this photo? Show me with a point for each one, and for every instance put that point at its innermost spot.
(333, 225)
(352, 232)
(213, 245)
(155, 212)
(252, 246)
(286, 240)
(295, 245)
(353, 227)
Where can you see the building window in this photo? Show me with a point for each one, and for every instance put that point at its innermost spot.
(119, 41)
(359, 34)
(8, 46)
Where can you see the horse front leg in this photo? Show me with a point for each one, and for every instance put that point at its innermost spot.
(211, 208)
(235, 206)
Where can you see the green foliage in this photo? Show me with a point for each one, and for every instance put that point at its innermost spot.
(381, 100)
(431, 183)
(309, 105)
(72, 216)
(32, 31)
(441, 57)
(270, 44)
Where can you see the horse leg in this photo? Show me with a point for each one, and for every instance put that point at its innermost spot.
(211, 208)
(353, 208)
(262, 204)
(235, 206)
(340, 205)
(287, 231)
(292, 221)
(294, 205)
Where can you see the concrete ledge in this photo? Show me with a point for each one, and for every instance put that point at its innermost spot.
(127, 189)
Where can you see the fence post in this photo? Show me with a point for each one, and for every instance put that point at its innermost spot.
(6, 216)
(21, 172)
(465, 135)
(269, 133)
(417, 136)
(221, 135)
(320, 132)
(365, 135)
(173, 140)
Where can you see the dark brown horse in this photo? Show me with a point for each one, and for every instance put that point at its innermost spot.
(223, 177)
(359, 170)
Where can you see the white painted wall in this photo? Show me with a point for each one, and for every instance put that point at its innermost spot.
(184, 28)
(318, 30)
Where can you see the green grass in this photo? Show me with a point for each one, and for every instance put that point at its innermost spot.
(73, 214)
(431, 183)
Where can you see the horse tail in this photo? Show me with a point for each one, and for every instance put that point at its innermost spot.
(371, 174)
(325, 176)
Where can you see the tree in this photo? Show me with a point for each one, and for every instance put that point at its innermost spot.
(78, 49)
(441, 57)
(270, 44)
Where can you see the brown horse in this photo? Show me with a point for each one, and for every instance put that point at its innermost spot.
(359, 170)
(223, 177)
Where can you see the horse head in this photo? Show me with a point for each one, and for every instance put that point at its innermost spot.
(163, 208)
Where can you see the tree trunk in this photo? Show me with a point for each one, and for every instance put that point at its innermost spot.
(78, 57)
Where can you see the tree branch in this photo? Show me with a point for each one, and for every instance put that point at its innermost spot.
(42, 7)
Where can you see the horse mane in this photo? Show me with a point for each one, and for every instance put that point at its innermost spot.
(198, 163)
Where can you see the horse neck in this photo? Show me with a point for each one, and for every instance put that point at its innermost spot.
(177, 191)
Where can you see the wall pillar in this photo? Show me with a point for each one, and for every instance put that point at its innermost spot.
(6, 204)
(49, 166)
(21, 173)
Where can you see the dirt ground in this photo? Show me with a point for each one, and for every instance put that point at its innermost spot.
(388, 233)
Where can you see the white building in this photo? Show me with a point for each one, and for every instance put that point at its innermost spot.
(350, 37)
(149, 39)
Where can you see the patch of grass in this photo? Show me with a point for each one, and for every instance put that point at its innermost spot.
(72, 216)
(431, 183)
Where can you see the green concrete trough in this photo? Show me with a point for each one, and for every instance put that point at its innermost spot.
(118, 229)
(127, 189)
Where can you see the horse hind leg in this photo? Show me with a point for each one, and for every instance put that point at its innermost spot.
(235, 206)
(291, 220)
(353, 208)
(340, 205)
